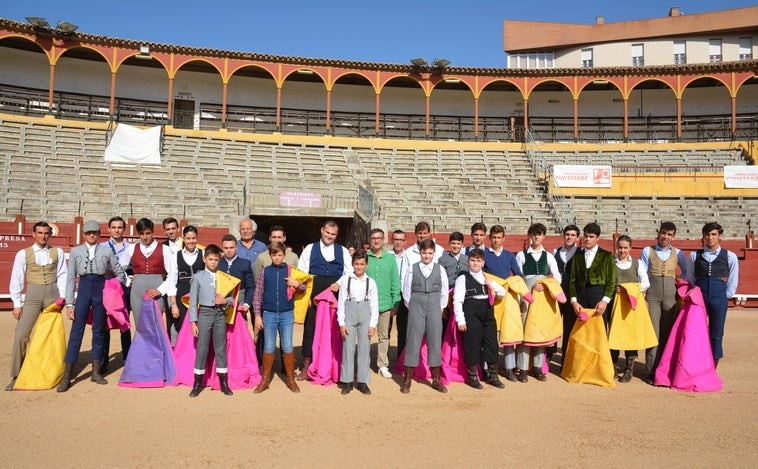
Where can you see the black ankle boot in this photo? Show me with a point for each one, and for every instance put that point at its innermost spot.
(66, 381)
(97, 377)
(493, 378)
(627, 376)
(224, 384)
(473, 377)
(197, 386)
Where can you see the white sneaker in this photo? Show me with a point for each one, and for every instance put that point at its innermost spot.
(385, 373)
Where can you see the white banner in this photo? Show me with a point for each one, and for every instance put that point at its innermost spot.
(134, 145)
(740, 177)
(582, 175)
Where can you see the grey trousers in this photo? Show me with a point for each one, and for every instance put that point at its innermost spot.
(210, 321)
(424, 319)
(38, 297)
(661, 302)
(142, 283)
(357, 317)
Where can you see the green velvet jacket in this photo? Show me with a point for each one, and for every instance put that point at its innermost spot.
(602, 272)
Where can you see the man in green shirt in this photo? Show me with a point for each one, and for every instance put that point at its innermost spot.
(383, 269)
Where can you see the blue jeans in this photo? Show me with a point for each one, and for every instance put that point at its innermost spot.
(284, 323)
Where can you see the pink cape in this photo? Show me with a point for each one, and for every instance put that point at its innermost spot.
(150, 363)
(687, 360)
(453, 366)
(327, 342)
(116, 314)
(241, 360)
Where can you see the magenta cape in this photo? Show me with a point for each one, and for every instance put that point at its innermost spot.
(241, 361)
(150, 363)
(116, 314)
(327, 341)
(453, 366)
(687, 360)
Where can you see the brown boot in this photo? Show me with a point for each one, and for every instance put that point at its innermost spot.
(66, 381)
(436, 383)
(289, 369)
(407, 380)
(96, 376)
(268, 363)
(304, 371)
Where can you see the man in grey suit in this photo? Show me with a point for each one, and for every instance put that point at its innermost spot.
(90, 262)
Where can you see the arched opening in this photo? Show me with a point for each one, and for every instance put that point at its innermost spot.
(451, 111)
(551, 112)
(250, 102)
(706, 111)
(501, 112)
(196, 82)
(403, 109)
(353, 106)
(652, 112)
(601, 112)
(303, 103)
(26, 77)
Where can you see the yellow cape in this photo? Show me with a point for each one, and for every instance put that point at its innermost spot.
(508, 310)
(631, 328)
(588, 358)
(302, 299)
(544, 324)
(43, 366)
(228, 285)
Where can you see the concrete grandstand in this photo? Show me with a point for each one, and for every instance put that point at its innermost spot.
(374, 144)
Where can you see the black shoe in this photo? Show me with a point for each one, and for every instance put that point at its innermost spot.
(495, 381)
(523, 376)
(650, 379)
(363, 388)
(510, 375)
(473, 381)
(347, 388)
(538, 374)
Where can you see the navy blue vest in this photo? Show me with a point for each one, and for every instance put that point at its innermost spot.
(319, 265)
(718, 268)
(275, 289)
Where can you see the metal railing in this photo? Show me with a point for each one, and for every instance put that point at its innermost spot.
(559, 207)
(507, 128)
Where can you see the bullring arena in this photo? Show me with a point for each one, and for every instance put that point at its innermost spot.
(293, 141)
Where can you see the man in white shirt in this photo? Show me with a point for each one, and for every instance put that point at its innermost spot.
(44, 270)
(150, 261)
(327, 261)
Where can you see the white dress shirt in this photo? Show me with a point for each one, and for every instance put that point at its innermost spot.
(358, 293)
(459, 294)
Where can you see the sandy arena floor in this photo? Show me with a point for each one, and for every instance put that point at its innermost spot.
(551, 424)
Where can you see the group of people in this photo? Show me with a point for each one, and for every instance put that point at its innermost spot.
(427, 294)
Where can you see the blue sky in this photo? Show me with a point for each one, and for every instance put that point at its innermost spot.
(468, 33)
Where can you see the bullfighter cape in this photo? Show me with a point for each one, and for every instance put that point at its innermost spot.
(631, 326)
(327, 341)
(508, 309)
(544, 325)
(588, 358)
(687, 361)
(453, 365)
(228, 285)
(43, 365)
(116, 314)
(301, 298)
(150, 363)
(242, 363)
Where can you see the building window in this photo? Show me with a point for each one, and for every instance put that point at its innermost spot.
(714, 50)
(587, 58)
(532, 60)
(680, 52)
(638, 55)
(746, 48)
